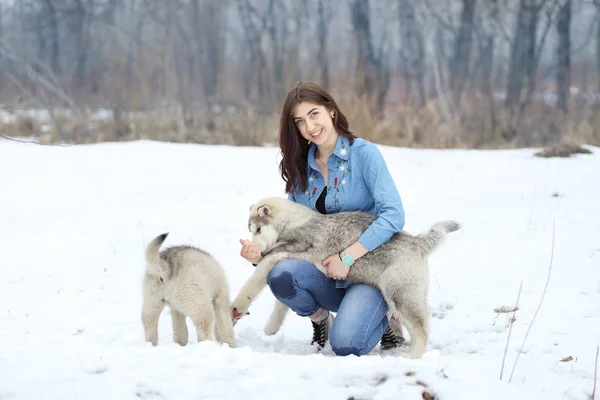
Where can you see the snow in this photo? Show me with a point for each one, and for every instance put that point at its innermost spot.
(74, 222)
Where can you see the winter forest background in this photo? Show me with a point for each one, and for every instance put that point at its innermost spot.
(431, 73)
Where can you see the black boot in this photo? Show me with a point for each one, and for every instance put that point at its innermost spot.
(390, 340)
(321, 331)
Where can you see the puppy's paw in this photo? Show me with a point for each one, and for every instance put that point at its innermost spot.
(230, 342)
(413, 355)
(153, 339)
(271, 327)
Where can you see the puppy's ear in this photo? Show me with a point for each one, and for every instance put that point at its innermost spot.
(264, 210)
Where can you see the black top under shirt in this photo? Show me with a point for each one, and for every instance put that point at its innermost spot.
(320, 204)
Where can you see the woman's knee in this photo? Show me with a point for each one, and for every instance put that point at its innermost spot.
(347, 342)
(281, 279)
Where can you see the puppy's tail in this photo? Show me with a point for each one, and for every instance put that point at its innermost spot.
(155, 264)
(436, 235)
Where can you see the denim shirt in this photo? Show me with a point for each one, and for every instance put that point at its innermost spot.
(358, 180)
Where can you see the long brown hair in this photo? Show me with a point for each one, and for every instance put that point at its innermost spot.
(293, 146)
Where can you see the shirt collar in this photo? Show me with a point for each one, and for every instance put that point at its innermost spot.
(341, 150)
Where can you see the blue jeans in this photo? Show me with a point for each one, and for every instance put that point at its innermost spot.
(360, 319)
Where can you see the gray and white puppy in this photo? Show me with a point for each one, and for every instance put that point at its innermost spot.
(398, 268)
(193, 284)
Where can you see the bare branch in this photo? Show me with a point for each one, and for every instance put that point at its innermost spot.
(45, 103)
(5, 49)
(583, 44)
(443, 23)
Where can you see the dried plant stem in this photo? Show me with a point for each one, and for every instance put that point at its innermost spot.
(539, 305)
(512, 320)
(593, 396)
(41, 144)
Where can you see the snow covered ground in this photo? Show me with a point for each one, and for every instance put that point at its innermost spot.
(74, 222)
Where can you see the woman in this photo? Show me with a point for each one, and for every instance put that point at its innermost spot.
(329, 169)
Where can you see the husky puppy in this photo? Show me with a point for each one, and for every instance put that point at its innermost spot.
(193, 284)
(398, 268)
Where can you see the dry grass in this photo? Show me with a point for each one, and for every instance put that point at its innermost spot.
(22, 126)
(565, 147)
(244, 128)
(473, 125)
(512, 321)
(539, 305)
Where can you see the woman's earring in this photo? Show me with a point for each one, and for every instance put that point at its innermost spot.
(332, 115)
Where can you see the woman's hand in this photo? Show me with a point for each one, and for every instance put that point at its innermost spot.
(336, 269)
(250, 251)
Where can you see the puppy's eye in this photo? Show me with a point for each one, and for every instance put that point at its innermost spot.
(258, 230)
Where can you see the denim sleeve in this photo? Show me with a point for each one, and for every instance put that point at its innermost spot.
(388, 204)
(291, 197)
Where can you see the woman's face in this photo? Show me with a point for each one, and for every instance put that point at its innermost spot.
(315, 123)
